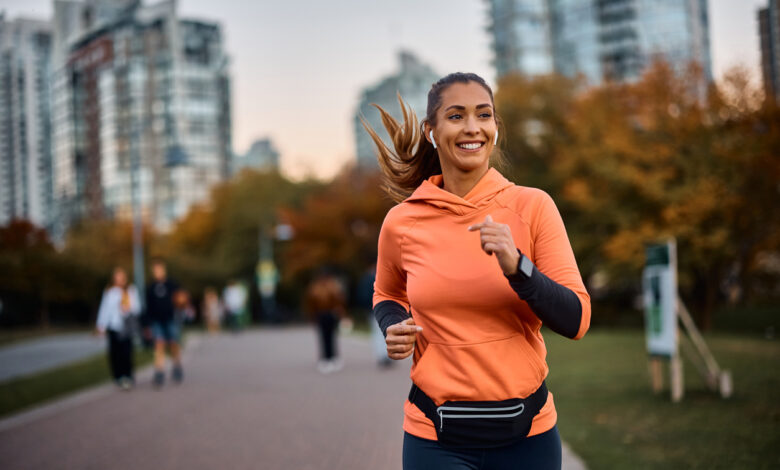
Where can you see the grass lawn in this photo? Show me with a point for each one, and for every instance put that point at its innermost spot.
(17, 394)
(15, 335)
(610, 417)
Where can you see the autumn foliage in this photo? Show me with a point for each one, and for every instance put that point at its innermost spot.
(666, 156)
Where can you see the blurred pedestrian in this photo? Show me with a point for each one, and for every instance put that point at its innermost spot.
(183, 311)
(324, 303)
(470, 266)
(119, 308)
(235, 297)
(167, 333)
(212, 310)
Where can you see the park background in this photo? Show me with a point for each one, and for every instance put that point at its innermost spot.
(628, 164)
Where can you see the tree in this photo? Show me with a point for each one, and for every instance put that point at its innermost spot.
(630, 164)
(337, 225)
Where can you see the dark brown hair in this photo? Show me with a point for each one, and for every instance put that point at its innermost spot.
(413, 159)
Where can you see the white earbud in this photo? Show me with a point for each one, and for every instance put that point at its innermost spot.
(433, 141)
(495, 138)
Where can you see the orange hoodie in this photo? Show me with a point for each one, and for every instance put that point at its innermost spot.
(479, 340)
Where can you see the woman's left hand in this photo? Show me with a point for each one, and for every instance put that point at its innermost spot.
(496, 239)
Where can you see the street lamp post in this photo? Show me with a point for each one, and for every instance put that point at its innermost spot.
(138, 237)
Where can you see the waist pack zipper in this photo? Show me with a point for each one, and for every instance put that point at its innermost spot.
(442, 409)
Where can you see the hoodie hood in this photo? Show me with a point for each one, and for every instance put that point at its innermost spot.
(431, 192)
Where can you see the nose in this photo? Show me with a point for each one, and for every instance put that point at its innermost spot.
(472, 126)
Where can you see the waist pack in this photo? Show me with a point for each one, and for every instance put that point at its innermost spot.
(480, 424)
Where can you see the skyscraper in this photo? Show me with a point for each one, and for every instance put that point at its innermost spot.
(25, 135)
(601, 39)
(413, 81)
(769, 31)
(138, 92)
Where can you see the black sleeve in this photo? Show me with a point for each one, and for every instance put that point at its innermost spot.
(389, 313)
(557, 306)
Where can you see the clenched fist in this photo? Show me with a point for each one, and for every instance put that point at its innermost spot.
(496, 239)
(400, 339)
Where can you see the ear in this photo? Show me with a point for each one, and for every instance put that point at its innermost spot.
(427, 132)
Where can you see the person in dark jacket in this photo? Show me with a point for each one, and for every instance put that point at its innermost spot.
(165, 330)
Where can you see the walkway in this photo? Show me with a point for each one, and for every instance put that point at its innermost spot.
(249, 401)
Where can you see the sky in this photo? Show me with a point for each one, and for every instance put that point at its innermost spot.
(298, 66)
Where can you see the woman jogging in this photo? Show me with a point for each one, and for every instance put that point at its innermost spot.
(116, 316)
(470, 266)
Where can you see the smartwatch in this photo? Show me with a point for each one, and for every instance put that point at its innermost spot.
(525, 267)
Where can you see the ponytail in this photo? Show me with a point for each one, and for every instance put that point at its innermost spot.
(412, 159)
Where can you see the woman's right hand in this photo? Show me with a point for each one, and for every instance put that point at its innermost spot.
(400, 339)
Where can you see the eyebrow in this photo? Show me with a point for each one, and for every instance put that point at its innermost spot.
(461, 107)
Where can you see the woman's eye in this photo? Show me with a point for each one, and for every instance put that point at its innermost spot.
(454, 116)
(485, 115)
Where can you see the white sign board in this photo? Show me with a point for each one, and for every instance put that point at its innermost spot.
(659, 285)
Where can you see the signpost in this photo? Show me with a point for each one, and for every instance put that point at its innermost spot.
(663, 308)
(659, 284)
(660, 299)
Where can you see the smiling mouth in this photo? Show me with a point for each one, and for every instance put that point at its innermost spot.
(471, 145)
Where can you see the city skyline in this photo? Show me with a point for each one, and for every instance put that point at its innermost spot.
(348, 45)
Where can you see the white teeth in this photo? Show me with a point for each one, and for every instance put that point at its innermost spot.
(470, 146)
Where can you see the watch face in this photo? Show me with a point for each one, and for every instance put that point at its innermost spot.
(526, 266)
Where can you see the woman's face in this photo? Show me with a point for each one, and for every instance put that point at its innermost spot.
(120, 278)
(465, 128)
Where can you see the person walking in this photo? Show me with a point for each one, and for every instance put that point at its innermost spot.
(324, 302)
(119, 308)
(212, 310)
(160, 294)
(469, 267)
(234, 297)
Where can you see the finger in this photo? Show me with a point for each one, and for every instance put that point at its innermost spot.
(487, 223)
(405, 340)
(399, 356)
(403, 330)
(399, 348)
(491, 248)
(496, 229)
(405, 327)
(495, 238)
(497, 246)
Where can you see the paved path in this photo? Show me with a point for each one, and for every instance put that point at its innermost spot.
(37, 355)
(250, 401)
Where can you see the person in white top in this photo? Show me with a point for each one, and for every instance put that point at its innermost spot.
(234, 297)
(119, 306)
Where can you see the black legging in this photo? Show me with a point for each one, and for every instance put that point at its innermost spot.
(540, 452)
(120, 355)
(328, 323)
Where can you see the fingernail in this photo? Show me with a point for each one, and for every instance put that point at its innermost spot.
(419, 328)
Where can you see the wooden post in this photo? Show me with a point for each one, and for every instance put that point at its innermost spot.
(726, 386)
(676, 378)
(656, 374)
(716, 378)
